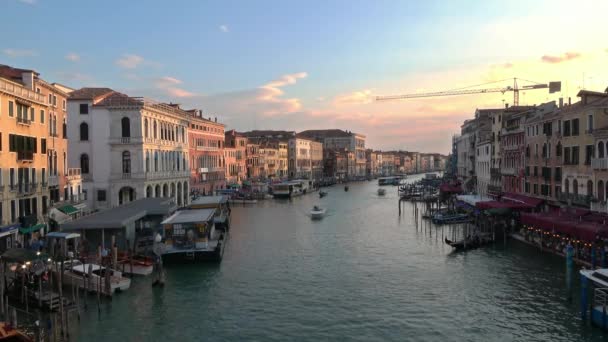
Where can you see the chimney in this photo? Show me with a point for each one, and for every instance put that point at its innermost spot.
(216, 119)
(506, 105)
(561, 102)
(569, 101)
(28, 79)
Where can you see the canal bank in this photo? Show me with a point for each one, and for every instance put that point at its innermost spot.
(362, 273)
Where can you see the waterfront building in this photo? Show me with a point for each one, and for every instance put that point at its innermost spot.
(483, 160)
(543, 171)
(512, 147)
(34, 175)
(255, 165)
(584, 180)
(337, 139)
(494, 188)
(388, 164)
(128, 147)
(338, 164)
(466, 154)
(235, 152)
(305, 159)
(371, 163)
(207, 158)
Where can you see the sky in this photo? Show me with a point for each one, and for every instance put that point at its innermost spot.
(299, 65)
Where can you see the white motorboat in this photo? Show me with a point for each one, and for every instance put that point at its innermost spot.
(317, 213)
(77, 273)
(138, 265)
(381, 192)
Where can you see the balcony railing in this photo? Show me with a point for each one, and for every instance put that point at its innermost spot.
(602, 207)
(74, 173)
(25, 155)
(21, 91)
(53, 180)
(44, 185)
(23, 121)
(599, 163)
(579, 200)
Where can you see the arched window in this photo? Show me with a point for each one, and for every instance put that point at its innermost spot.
(544, 150)
(126, 162)
(575, 187)
(84, 132)
(558, 149)
(126, 127)
(155, 130)
(600, 150)
(84, 163)
(590, 188)
(600, 190)
(145, 127)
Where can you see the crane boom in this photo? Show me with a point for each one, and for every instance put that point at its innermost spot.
(553, 87)
(443, 93)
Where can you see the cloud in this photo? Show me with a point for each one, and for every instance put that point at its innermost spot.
(29, 2)
(14, 53)
(355, 98)
(568, 56)
(72, 57)
(129, 61)
(224, 28)
(168, 85)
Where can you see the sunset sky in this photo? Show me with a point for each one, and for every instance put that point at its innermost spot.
(315, 64)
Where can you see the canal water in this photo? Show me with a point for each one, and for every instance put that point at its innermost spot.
(361, 274)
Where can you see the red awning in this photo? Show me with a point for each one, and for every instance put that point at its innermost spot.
(582, 230)
(518, 198)
(497, 204)
(450, 188)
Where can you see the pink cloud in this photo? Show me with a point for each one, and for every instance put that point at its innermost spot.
(559, 59)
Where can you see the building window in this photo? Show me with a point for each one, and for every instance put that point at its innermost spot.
(84, 163)
(84, 108)
(146, 127)
(11, 109)
(101, 195)
(567, 128)
(64, 104)
(42, 115)
(126, 127)
(558, 149)
(588, 154)
(575, 127)
(575, 155)
(43, 145)
(126, 162)
(84, 131)
(575, 187)
(154, 129)
(600, 150)
(590, 123)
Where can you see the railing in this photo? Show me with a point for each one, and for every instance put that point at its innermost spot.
(53, 180)
(13, 187)
(74, 172)
(126, 175)
(580, 200)
(125, 140)
(21, 91)
(25, 155)
(599, 206)
(599, 163)
(1, 188)
(44, 185)
(23, 121)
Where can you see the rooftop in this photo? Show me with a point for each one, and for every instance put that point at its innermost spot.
(14, 74)
(116, 218)
(190, 216)
(90, 93)
(326, 133)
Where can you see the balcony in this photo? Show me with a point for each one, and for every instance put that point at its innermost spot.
(21, 91)
(578, 200)
(23, 121)
(599, 163)
(73, 174)
(25, 156)
(53, 180)
(25, 189)
(44, 185)
(602, 207)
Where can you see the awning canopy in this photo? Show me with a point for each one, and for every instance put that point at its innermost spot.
(472, 199)
(23, 255)
(518, 198)
(450, 188)
(32, 229)
(565, 224)
(497, 204)
(68, 209)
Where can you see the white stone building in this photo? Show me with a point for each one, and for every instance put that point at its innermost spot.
(305, 159)
(127, 148)
(336, 139)
(484, 162)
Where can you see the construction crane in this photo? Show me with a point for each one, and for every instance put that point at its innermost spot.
(553, 88)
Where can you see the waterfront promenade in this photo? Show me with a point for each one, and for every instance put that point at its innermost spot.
(361, 274)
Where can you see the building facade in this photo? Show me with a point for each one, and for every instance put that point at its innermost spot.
(235, 152)
(336, 139)
(128, 147)
(305, 159)
(206, 151)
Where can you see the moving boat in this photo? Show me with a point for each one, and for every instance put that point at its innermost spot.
(290, 189)
(381, 192)
(77, 273)
(317, 213)
(322, 194)
(470, 242)
(346, 188)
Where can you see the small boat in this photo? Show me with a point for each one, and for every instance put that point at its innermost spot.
(381, 192)
(138, 265)
(11, 333)
(242, 201)
(443, 218)
(77, 273)
(317, 213)
(322, 194)
(346, 188)
(470, 242)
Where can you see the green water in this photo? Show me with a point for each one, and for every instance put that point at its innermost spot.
(360, 274)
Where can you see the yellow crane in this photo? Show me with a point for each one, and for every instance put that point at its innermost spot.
(552, 86)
